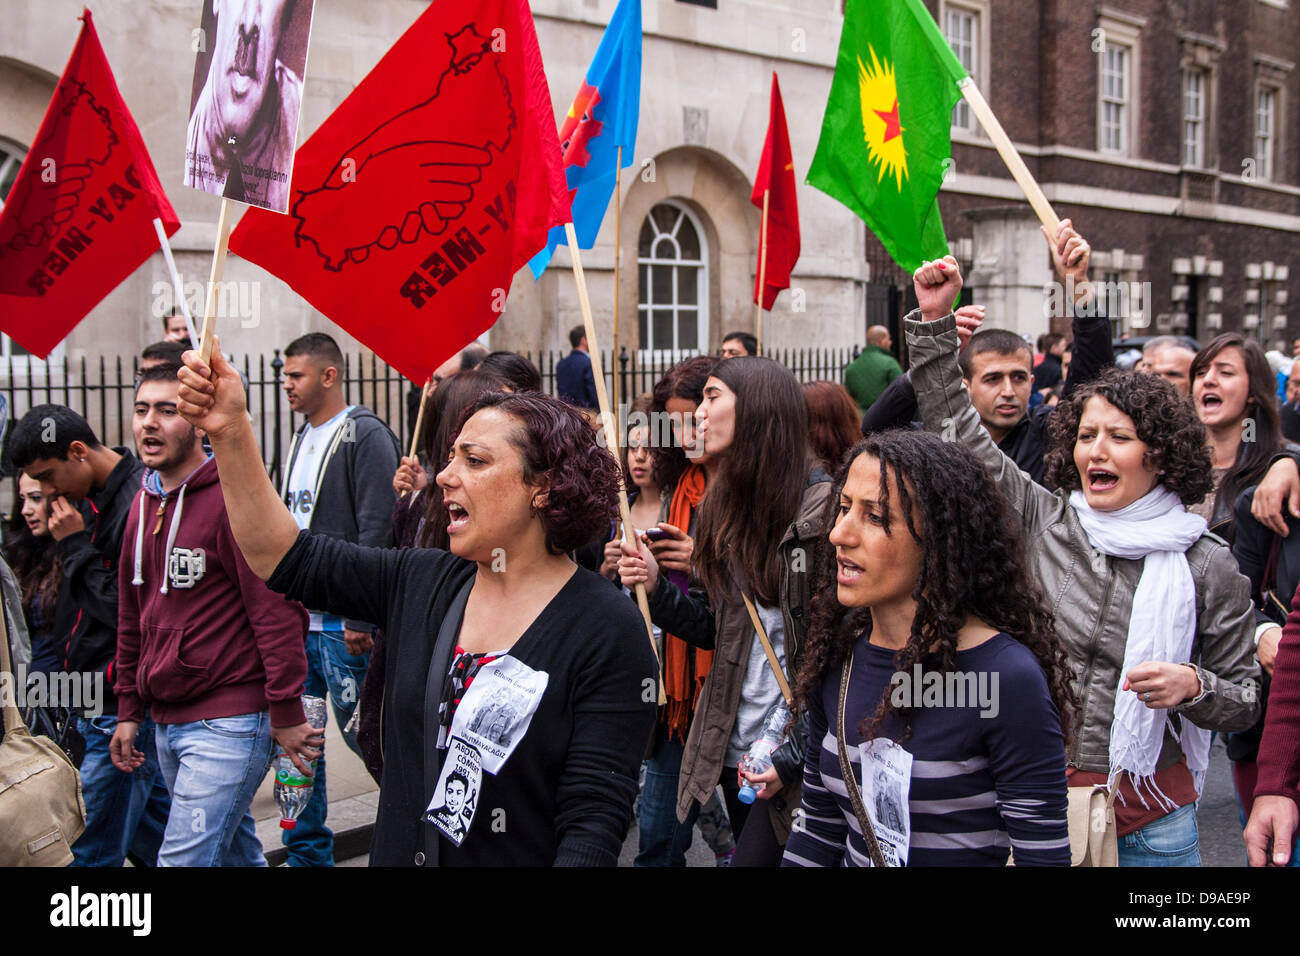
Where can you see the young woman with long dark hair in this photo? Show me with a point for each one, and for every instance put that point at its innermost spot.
(1234, 393)
(1152, 610)
(34, 558)
(758, 527)
(926, 584)
(521, 688)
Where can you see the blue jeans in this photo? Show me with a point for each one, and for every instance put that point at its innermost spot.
(663, 841)
(1172, 840)
(124, 811)
(329, 668)
(213, 769)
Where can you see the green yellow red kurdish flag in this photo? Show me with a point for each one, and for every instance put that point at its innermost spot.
(885, 135)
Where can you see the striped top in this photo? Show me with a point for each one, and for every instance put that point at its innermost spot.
(980, 784)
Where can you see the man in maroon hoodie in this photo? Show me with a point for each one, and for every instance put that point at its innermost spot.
(215, 655)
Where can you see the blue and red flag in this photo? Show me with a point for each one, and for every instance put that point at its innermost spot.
(603, 117)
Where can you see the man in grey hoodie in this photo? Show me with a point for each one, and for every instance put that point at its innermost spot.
(337, 482)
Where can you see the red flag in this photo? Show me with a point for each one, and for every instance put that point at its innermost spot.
(776, 173)
(79, 218)
(418, 199)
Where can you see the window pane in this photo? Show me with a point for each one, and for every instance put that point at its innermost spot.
(642, 284)
(665, 217)
(642, 335)
(646, 240)
(688, 240)
(688, 326)
(688, 286)
(661, 285)
(665, 248)
(663, 323)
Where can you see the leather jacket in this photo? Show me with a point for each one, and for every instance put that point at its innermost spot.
(727, 630)
(1090, 592)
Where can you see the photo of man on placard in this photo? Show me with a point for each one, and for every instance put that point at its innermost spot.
(246, 96)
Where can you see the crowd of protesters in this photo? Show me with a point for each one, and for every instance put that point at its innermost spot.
(1105, 558)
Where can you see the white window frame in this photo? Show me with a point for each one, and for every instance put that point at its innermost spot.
(1266, 161)
(963, 120)
(1120, 31)
(674, 354)
(1194, 119)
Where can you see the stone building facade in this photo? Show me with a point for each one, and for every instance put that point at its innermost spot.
(1169, 130)
(704, 112)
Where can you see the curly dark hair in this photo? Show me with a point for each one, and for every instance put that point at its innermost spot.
(973, 564)
(1164, 420)
(556, 442)
(442, 420)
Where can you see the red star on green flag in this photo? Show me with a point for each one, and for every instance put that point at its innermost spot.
(885, 136)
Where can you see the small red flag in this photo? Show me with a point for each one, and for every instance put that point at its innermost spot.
(776, 173)
(79, 218)
(418, 199)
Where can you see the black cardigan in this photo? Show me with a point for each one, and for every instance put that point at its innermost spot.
(565, 795)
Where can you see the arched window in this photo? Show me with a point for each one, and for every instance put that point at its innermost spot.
(672, 297)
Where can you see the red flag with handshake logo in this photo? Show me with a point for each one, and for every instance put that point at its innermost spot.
(417, 200)
(79, 217)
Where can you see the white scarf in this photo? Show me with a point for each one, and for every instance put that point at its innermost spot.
(1161, 626)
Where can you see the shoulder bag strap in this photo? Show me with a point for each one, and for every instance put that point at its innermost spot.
(850, 778)
(12, 719)
(439, 662)
(767, 647)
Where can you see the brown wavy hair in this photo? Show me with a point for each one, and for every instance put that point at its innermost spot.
(1164, 420)
(834, 423)
(555, 440)
(759, 484)
(442, 421)
(1253, 458)
(973, 564)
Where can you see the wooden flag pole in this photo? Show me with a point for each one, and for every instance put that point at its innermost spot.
(618, 264)
(610, 424)
(218, 270)
(419, 420)
(1010, 155)
(762, 271)
(177, 285)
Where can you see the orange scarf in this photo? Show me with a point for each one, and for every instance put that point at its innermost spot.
(683, 692)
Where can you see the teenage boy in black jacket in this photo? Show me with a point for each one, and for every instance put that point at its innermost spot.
(90, 488)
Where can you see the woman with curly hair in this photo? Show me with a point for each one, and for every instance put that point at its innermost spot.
(1156, 618)
(926, 585)
(520, 686)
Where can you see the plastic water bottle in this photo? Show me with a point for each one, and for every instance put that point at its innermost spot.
(292, 789)
(759, 757)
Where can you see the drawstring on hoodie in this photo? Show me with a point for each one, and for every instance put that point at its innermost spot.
(139, 547)
(138, 579)
(171, 536)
